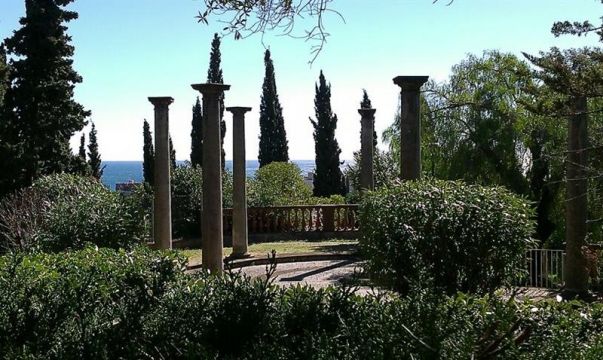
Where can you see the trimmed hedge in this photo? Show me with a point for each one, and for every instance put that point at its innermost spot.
(444, 234)
(108, 304)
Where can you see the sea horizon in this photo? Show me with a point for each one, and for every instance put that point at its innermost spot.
(124, 171)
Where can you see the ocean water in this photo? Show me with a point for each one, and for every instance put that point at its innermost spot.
(127, 171)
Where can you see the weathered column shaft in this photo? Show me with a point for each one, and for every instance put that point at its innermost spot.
(367, 148)
(239, 221)
(410, 126)
(576, 205)
(162, 210)
(211, 222)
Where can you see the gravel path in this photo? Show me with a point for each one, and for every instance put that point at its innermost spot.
(318, 274)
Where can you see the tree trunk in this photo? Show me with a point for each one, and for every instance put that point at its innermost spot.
(576, 273)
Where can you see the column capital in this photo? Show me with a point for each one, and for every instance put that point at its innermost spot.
(161, 101)
(410, 83)
(210, 88)
(238, 110)
(367, 112)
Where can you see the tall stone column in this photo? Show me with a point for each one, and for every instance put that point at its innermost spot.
(367, 148)
(410, 125)
(239, 198)
(211, 221)
(576, 203)
(162, 208)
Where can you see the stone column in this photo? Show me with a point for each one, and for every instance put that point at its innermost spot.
(211, 221)
(162, 208)
(367, 148)
(410, 126)
(239, 198)
(576, 203)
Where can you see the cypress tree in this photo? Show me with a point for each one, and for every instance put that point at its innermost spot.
(273, 138)
(82, 151)
(197, 135)
(3, 76)
(148, 154)
(40, 114)
(328, 178)
(172, 155)
(366, 104)
(214, 75)
(93, 154)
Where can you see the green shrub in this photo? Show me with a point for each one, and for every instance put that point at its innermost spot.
(453, 236)
(278, 183)
(108, 304)
(80, 305)
(187, 198)
(65, 212)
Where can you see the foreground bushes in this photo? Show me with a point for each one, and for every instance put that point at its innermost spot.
(65, 212)
(448, 235)
(116, 304)
(85, 304)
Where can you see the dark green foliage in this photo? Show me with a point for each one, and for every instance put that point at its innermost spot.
(93, 155)
(385, 169)
(328, 178)
(40, 114)
(173, 163)
(448, 235)
(64, 211)
(197, 135)
(273, 138)
(214, 75)
(82, 149)
(80, 305)
(187, 198)
(108, 304)
(278, 184)
(148, 163)
(3, 76)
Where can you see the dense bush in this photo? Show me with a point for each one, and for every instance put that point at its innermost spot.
(79, 305)
(67, 211)
(108, 304)
(453, 236)
(187, 198)
(278, 183)
(385, 170)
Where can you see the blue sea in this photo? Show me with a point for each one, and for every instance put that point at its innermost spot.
(127, 171)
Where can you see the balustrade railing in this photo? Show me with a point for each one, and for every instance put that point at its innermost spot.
(298, 219)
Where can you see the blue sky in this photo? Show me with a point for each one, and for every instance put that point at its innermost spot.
(129, 50)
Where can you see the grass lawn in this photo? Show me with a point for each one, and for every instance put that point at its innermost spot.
(286, 247)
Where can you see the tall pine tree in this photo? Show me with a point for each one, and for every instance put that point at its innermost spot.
(94, 158)
(214, 75)
(328, 178)
(197, 135)
(3, 76)
(172, 155)
(82, 150)
(40, 113)
(148, 154)
(273, 138)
